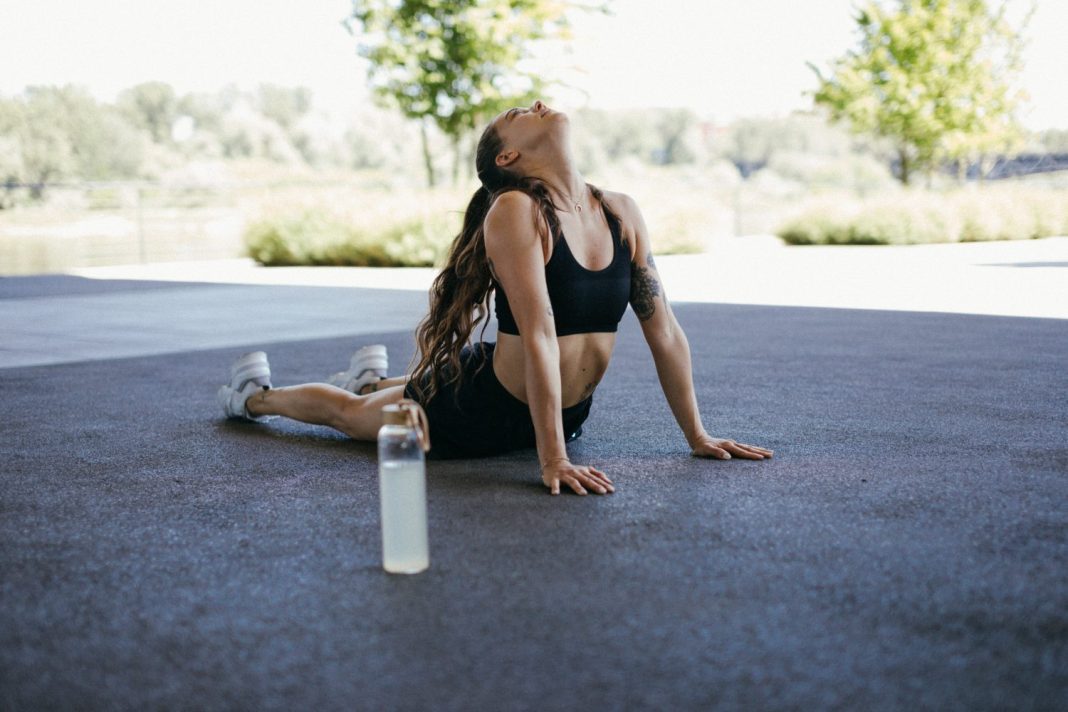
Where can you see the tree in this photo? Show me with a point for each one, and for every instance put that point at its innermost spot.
(750, 144)
(676, 129)
(1054, 140)
(56, 133)
(284, 105)
(453, 63)
(207, 109)
(152, 106)
(933, 76)
(622, 133)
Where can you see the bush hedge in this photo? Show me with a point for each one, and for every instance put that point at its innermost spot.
(363, 230)
(918, 217)
(317, 237)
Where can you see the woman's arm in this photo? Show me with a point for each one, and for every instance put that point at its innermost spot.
(670, 348)
(517, 260)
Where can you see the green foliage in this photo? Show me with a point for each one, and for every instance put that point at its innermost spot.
(824, 224)
(207, 109)
(50, 134)
(803, 147)
(454, 62)
(614, 135)
(313, 236)
(757, 140)
(920, 217)
(932, 76)
(152, 106)
(1013, 215)
(284, 105)
(58, 133)
(673, 128)
(44, 145)
(317, 237)
(103, 199)
(859, 172)
(655, 136)
(450, 60)
(104, 146)
(1054, 140)
(682, 232)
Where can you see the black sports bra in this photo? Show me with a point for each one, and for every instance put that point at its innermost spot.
(583, 300)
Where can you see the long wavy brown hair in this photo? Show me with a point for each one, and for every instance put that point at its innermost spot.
(460, 294)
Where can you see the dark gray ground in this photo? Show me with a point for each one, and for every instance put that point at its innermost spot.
(907, 547)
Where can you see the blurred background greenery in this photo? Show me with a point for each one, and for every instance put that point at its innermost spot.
(910, 136)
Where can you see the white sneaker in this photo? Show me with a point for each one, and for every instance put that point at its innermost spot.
(368, 365)
(249, 374)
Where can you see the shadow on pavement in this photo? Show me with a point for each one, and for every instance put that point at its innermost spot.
(1024, 264)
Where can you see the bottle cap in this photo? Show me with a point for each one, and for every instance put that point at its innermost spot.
(409, 413)
(392, 415)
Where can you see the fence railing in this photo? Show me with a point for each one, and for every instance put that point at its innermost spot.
(56, 226)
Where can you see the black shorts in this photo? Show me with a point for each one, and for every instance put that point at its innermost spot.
(488, 420)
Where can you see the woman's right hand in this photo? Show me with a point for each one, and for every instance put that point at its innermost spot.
(578, 477)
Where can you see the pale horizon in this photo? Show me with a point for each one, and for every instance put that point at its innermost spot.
(724, 62)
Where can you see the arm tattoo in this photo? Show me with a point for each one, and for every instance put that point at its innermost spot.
(643, 289)
(549, 311)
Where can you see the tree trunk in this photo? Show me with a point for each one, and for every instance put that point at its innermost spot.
(472, 150)
(457, 158)
(903, 159)
(428, 160)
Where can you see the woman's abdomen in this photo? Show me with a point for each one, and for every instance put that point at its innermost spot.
(584, 359)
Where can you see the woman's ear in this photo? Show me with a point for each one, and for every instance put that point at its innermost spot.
(506, 158)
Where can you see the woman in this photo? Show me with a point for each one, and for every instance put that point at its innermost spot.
(558, 303)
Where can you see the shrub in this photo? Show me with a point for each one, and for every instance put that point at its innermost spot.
(681, 232)
(821, 224)
(856, 172)
(317, 237)
(103, 198)
(1051, 216)
(911, 219)
(917, 217)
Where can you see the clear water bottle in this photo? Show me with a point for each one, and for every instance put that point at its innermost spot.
(402, 441)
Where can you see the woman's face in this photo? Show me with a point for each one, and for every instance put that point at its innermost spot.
(523, 129)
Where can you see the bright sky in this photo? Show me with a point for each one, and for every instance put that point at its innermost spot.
(723, 59)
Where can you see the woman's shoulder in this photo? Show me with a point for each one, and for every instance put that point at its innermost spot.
(625, 209)
(511, 201)
(512, 220)
(509, 209)
(620, 203)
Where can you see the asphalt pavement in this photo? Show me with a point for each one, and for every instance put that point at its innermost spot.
(906, 547)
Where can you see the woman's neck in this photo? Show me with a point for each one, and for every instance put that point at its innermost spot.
(557, 170)
(569, 185)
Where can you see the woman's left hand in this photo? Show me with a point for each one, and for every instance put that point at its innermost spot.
(723, 449)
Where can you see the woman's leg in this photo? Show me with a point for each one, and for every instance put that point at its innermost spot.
(359, 417)
(383, 384)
